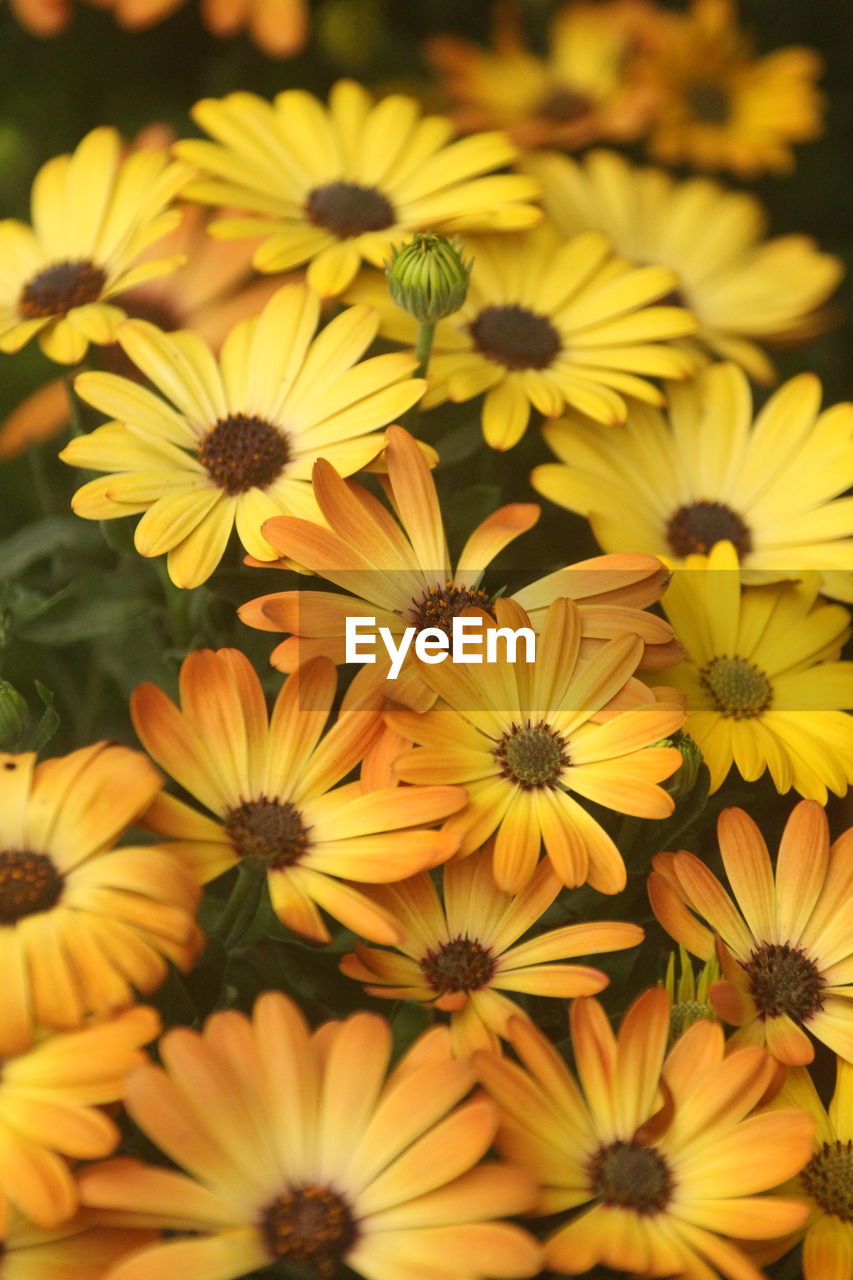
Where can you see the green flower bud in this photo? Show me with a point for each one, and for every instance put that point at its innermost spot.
(689, 993)
(427, 277)
(14, 717)
(683, 780)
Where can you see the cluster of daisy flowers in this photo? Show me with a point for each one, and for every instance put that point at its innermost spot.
(263, 324)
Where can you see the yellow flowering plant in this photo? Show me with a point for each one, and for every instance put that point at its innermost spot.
(426, 560)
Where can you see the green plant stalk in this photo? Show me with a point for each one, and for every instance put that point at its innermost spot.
(423, 346)
(241, 908)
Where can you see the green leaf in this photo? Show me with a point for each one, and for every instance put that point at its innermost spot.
(49, 721)
(68, 619)
(459, 444)
(43, 538)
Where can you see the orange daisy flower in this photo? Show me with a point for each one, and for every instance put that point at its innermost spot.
(294, 1156)
(661, 1149)
(826, 1182)
(278, 27)
(786, 941)
(720, 107)
(83, 925)
(81, 1249)
(270, 782)
(581, 92)
(523, 739)
(51, 1099)
(459, 956)
(400, 573)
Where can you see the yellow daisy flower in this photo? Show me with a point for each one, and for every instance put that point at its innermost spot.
(333, 186)
(209, 294)
(678, 484)
(460, 956)
(51, 1109)
(548, 323)
(83, 925)
(720, 107)
(271, 784)
(94, 214)
(659, 1150)
(81, 1249)
(786, 942)
(580, 92)
(827, 1180)
(744, 291)
(761, 676)
(231, 442)
(523, 739)
(301, 1148)
(403, 576)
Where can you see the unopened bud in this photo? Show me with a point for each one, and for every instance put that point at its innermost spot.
(683, 780)
(689, 993)
(427, 277)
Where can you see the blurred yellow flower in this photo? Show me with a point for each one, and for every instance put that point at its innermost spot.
(94, 215)
(581, 92)
(278, 27)
(51, 1109)
(302, 1147)
(743, 291)
(83, 925)
(719, 106)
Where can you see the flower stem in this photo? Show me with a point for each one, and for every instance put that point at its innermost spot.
(241, 908)
(423, 346)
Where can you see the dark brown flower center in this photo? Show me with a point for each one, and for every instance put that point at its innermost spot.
(55, 290)
(440, 605)
(696, 528)
(782, 979)
(242, 452)
(631, 1176)
(737, 688)
(532, 755)
(515, 337)
(563, 105)
(311, 1226)
(29, 883)
(349, 209)
(828, 1179)
(459, 965)
(709, 102)
(268, 830)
